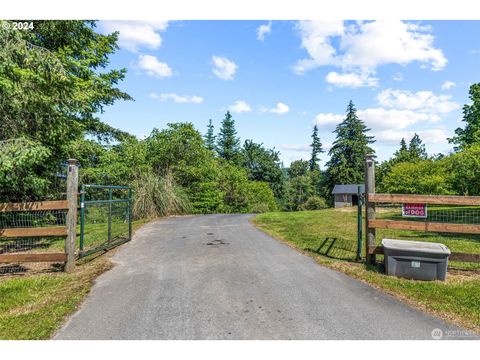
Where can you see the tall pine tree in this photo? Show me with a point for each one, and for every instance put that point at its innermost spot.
(416, 149)
(402, 154)
(317, 149)
(228, 144)
(346, 164)
(210, 137)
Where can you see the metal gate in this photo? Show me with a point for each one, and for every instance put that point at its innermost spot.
(105, 217)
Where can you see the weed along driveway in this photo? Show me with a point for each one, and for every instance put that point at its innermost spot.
(218, 277)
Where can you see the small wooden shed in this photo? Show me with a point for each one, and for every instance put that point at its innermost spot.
(347, 194)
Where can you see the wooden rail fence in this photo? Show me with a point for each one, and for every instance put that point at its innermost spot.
(69, 230)
(372, 223)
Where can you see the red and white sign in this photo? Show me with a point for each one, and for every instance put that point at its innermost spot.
(414, 210)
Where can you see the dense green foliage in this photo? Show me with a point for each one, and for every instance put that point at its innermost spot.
(263, 165)
(53, 82)
(421, 177)
(414, 153)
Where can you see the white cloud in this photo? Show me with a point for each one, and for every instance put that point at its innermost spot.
(263, 30)
(224, 68)
(136, 34)
(240, 106)
(432, 136)
(383, 119)
(364, 46)
(316, 39)
(382, 42)
(153, 67)
(424, 101)
(447, 85)
(328, 119)
(352, 80)
(280, 109)
(179, 99)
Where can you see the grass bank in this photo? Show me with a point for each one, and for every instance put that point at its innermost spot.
(35, 306)
(456, 300)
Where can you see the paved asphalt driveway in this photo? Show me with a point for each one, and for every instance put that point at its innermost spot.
(218, 277)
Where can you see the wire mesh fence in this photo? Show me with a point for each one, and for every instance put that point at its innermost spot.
(31, 244)
(457, 242)
(105, 217)
(453, 214)
(32, 219)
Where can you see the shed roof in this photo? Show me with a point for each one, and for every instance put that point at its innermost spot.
(348, 189)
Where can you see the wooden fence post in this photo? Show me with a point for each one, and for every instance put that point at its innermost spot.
(370, 207)
(72, 193)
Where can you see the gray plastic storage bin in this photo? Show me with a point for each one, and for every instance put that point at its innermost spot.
(415, 259)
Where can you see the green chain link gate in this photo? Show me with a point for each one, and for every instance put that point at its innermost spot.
(105, 217)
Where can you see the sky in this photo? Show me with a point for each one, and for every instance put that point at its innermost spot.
(280, 78)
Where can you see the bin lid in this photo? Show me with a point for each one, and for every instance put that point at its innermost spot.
(407, 245)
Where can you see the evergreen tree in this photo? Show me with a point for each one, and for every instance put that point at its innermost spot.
(228, 144)
(416, 149)
(401, 154)
(210, 137)
(346, 164)
(55, 80)
(471, 116)
(317, 149)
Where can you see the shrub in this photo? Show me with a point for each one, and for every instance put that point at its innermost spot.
(206, 197)
(233, 183)
(155, 196)
(260, 197)
(314, 203)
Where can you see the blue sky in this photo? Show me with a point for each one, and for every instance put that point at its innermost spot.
(280, 78)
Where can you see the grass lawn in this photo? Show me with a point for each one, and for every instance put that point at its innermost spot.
(456, 300)
(35, 306)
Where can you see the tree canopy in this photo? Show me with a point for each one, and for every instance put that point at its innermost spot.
(53, 83)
